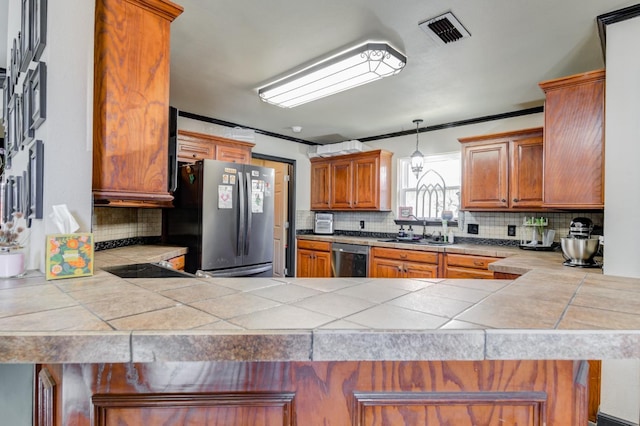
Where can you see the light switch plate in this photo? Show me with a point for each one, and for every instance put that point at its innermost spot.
(511, 230)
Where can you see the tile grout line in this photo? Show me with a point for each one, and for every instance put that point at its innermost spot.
(566, 308)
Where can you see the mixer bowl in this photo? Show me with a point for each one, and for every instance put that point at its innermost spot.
(580, 251)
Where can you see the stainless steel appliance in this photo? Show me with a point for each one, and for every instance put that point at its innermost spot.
(349, 260)
(579, 248)
(224, 215)
(146, 270)
(323, 223)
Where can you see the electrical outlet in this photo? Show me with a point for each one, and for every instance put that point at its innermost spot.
(511, 230)
(472, 228)
(362, 224)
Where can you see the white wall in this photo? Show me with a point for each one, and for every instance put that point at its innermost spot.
(67, 130)
(430, 143)
(621, 378)
(266, 145)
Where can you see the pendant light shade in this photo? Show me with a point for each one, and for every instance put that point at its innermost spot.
(417, 159)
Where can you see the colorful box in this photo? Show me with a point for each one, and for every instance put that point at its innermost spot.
(69, 255)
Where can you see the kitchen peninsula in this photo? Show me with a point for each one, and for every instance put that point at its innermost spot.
(307, 350)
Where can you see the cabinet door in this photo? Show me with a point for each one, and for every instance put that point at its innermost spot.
(386, 268)
(304, 262)
(525, 186)
(574, 141)
(320, 186)
(322, 266)
(342, 180)
(366, 183)
(311, 263)
(420, 270)
(233, 154)
(484, 176)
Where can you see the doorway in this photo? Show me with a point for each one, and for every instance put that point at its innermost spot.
(284, 212)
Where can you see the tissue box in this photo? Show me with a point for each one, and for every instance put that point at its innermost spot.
(69, 255)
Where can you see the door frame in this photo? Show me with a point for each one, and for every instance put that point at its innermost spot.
(290, 255)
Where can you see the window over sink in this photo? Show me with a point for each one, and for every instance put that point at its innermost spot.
(434, 191)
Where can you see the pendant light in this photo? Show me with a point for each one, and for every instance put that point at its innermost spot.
(417, 159)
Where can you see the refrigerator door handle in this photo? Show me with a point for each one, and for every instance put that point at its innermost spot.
(241, 209)
(249, 196)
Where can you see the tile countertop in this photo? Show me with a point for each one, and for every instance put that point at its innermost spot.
(551, 312)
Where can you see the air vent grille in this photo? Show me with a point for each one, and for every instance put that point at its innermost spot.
(444, 28)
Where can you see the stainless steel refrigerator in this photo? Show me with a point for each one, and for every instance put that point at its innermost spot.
(224, 214)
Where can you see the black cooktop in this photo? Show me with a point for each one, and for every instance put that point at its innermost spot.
(145, 270)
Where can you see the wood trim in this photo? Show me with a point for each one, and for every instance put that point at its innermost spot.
(102, 403)
(573, 80)
(45, 398)
(163, 8)
(581, 385)
(536, 402)
(214, 139)
(514, 134)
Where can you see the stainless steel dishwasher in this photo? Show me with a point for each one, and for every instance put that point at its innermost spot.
(349, 260)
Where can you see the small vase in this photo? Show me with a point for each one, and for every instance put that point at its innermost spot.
(11, 263)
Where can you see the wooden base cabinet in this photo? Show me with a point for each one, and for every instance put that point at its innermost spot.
(574, 141)
(360, 181)
(397, 263)
(313, 259)
(468, 266)
(371, 393)
(502, 171)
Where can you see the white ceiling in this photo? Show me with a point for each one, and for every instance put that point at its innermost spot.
(223, 50)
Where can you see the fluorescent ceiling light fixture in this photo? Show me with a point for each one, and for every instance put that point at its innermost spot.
(362, 64)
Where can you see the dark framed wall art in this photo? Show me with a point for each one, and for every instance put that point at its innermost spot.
(35, 175)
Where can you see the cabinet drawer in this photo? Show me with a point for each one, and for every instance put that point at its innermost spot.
(191, 150)
(456, 272)
(467, 261)
(314, 245)
(407, 255)
(177, 262)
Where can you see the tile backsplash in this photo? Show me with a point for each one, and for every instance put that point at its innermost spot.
(490, 224)
(116, 223)
(111, 223)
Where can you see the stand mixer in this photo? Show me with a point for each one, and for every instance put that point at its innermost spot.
(579, 247)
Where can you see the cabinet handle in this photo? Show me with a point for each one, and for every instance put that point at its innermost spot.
(193, 155)
(503, 200)
(406, 270)
(403, 256)
(400, 268)
(515, 200)
(478, 263)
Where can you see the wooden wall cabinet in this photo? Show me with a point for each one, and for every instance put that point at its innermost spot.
(360, 181)
(313, 259)
(398, 263)
(193, 146)
(502, 171)
(468, 266)
(574, 141)
(131, 102)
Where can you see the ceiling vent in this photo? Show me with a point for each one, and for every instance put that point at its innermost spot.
(444, 29)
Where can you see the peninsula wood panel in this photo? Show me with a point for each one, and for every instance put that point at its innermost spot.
(376, 393)
(574, 141)
(131, 102)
